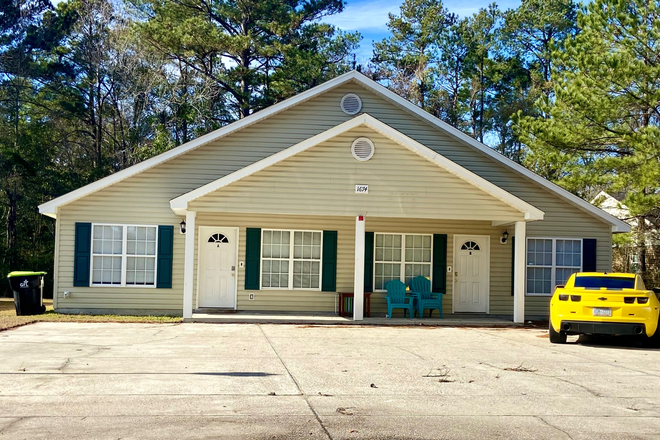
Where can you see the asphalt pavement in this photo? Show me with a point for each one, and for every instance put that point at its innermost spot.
(260, 381)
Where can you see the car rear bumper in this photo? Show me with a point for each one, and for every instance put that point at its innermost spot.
(602, 328)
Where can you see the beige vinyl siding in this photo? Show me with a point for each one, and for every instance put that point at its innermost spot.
(301, 300)
(144, 198)
(93, 209)
(321, 181)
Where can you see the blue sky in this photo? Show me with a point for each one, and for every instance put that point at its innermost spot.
(369, 17)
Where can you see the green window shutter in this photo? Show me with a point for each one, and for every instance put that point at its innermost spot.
(252, 258)
(589, 255)
(513, 263)
(368, 261)
(82, 254)
(440, 263)
(329, 264)
(164, 256)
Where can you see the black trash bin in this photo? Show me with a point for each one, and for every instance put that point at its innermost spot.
(28, 290)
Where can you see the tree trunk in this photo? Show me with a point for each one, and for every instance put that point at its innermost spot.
(481, 110)
(640, 246)
(12, 234)
(245, 87)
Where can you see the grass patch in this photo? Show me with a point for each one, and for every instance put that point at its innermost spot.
(8, 318)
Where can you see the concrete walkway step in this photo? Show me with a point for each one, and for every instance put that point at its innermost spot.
(241, 317)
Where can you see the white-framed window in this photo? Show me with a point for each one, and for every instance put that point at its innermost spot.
(550, 262)
(291, 259)
(124, 255)
(401, 257)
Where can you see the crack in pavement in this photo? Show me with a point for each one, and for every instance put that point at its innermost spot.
(576, 355)
(554, 427)
(4, 429)
(64, 365)
(302, 393)
(551, 376)
(409, 352)
(98, 346)
(584, 387)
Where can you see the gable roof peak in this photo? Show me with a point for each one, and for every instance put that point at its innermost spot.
(50, 208)
(180, 204)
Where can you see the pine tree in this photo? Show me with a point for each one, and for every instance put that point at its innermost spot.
(601, 129)
(257, 52)
(407, 61)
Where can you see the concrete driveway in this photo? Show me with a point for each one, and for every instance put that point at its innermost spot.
(137, 381)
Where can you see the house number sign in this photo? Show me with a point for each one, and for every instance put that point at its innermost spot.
(361, 189)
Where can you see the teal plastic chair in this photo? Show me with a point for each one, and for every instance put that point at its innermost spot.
(397, 299)
(421, 290)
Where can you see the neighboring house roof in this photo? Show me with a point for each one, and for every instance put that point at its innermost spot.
(50, 208)
(611, 204)
(180, 204)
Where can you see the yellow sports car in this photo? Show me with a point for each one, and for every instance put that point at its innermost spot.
(596, 303)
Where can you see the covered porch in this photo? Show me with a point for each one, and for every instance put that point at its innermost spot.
(401, 211)
(361, 246)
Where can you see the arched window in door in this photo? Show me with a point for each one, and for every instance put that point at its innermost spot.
(470, 246)
(218, 238)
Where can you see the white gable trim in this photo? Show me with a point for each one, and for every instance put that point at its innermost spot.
(50, 208)
(180, 204)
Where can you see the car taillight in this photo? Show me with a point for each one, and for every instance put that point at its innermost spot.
(642, 300)
(563, 297)
(576, 298)
(629, 300)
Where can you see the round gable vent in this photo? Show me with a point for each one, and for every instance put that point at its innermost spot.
(362, 149)
(351, 104)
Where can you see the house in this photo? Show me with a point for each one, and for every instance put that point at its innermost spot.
(613, 204)
(339, 189)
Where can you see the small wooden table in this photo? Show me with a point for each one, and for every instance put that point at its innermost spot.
(346, 303)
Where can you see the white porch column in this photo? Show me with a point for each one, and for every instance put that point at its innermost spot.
(358, 286)
(519, 272)
(188, 265)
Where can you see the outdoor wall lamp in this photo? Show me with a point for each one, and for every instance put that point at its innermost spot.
(504, 238)
(182, 227)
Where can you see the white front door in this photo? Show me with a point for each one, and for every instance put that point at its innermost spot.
(217, 267)
(471, 273)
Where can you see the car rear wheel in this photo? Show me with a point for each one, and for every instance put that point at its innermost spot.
(654, 341)
(556, 337)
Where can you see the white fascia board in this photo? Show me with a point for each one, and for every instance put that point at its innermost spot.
(180, 204)
(617, 225)
(49, 208)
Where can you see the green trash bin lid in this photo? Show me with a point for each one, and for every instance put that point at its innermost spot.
(23, 273)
